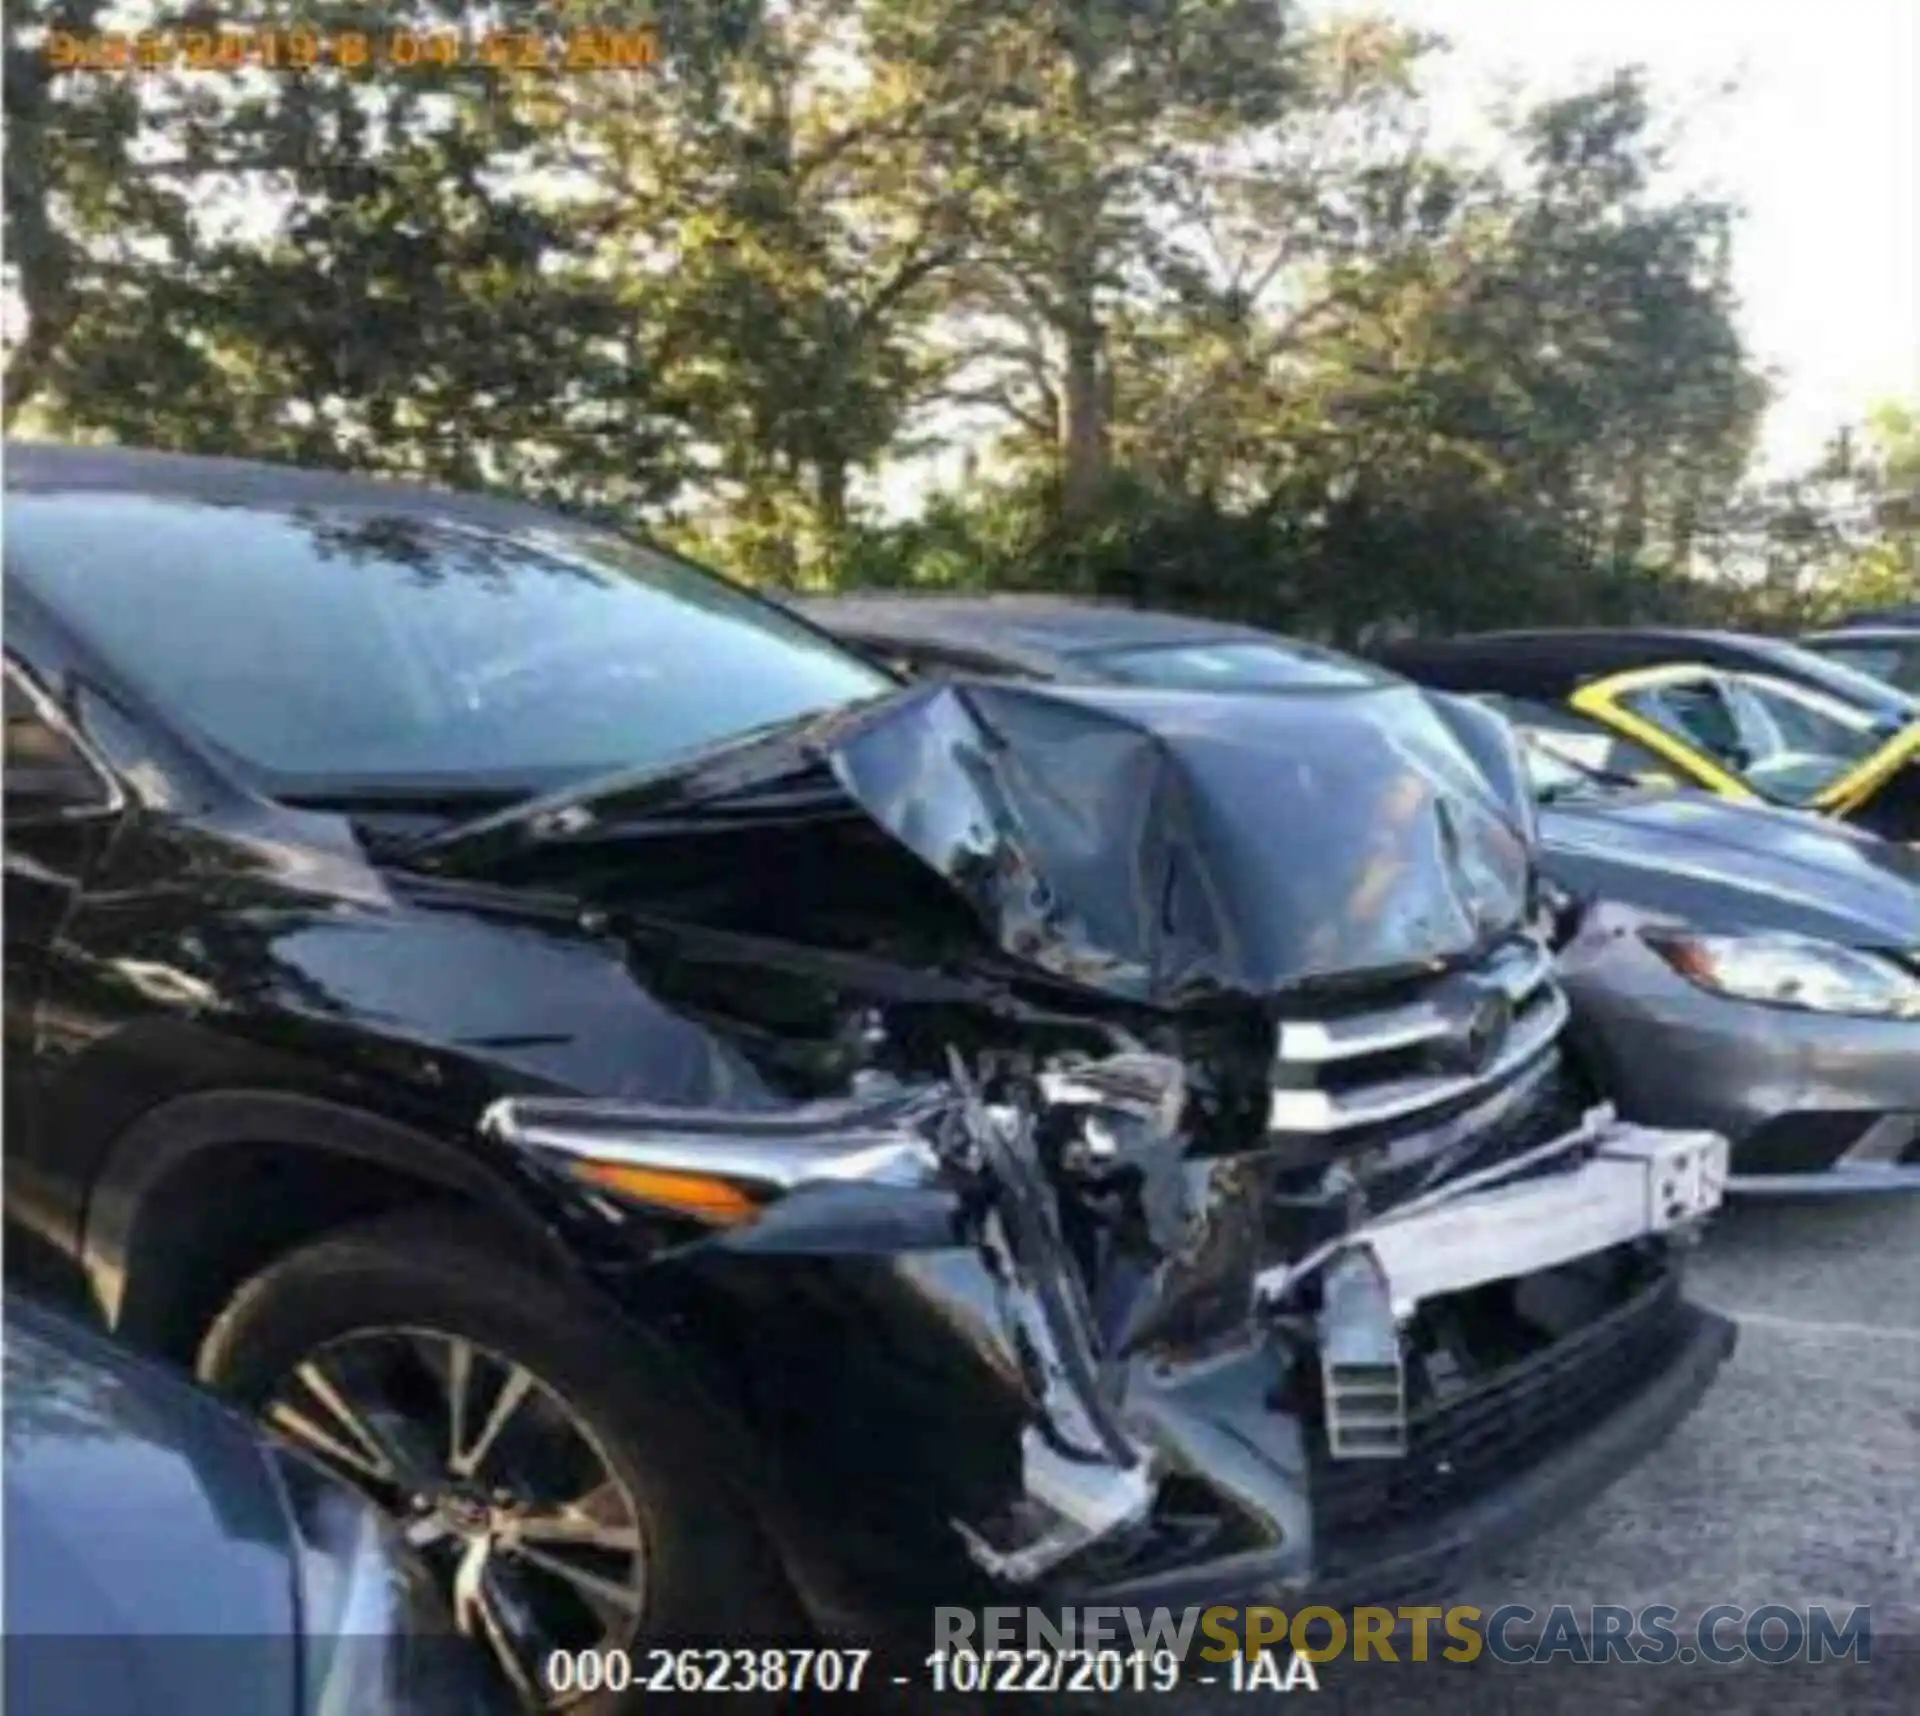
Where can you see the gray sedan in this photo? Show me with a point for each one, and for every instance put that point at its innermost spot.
(1752, 970)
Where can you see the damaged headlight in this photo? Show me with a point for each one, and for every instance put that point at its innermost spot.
(1793, 971)
(720, 1168)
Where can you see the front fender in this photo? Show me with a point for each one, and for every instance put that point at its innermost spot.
(190, 1131)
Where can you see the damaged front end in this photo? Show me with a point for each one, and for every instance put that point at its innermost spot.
(1188, 1405)
(1208, 1210)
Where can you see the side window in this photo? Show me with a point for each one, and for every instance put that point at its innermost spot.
(1800, 722)
(1583, 741)
(1698, 714)
(47, 774)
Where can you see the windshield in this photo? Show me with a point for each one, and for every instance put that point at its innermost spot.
(1788, 742)
(1251, 664)
(339, 651)
(1568, 753)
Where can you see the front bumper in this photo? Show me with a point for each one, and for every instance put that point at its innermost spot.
(1008, 1426)
(1403, 1559)
(1355, 1515)
(1809, 1102)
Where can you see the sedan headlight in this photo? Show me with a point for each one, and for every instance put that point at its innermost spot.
(1793, 971)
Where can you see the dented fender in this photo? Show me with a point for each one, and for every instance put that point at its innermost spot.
(956, 1183)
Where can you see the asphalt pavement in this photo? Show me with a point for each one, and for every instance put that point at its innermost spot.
(1797, 1482)
(1798, 1479)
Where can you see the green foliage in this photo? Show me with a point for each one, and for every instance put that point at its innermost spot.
(407, 304)
(778, 243)
(1222, 329)
(1071, 131)
(1842, 536)
(1479, 399)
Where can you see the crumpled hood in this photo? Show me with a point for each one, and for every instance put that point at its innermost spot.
(1158, 846)
(1169, 844)
(1723, 865)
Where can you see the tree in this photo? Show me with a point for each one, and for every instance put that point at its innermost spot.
(1366, 385)
(1839, 537)
(1070, 130)
(410, 303)
(1250, 343)
(1525, 393)
(1883, 570)
(762, 213)
(80, 222)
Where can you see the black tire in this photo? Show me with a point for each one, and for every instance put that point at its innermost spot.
(709, 1573)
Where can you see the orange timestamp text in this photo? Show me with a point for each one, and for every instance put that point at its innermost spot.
(585, 49)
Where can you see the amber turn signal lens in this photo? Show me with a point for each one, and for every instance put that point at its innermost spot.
(1690, 960)
(717, 1202)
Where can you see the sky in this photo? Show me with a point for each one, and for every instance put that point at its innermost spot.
(1818, 142)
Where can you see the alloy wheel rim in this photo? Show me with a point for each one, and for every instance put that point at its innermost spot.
(491, 1476)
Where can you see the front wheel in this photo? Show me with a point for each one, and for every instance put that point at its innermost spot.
(513, 1435)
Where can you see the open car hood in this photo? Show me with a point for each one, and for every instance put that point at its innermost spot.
(1160, 847)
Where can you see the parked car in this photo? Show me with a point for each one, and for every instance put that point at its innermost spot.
(163, 1555)
(1751, 970)
(717, 1142)
(1753, 719)
(1885, 650)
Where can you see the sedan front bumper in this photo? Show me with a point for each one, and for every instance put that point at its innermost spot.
(1810, 1102)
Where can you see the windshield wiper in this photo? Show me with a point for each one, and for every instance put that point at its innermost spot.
(1558, 790)
(1565, 792)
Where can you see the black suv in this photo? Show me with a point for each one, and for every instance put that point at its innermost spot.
(720, 1144)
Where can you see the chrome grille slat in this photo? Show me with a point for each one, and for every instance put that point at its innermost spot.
(1316, 1042)
(1538, 1023)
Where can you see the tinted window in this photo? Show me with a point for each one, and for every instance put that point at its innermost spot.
(337, 649)
(1698, 714)
(1801, 742)
(1786, 741)
(1835, 679)
(1251, 664)
(1879, 660)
